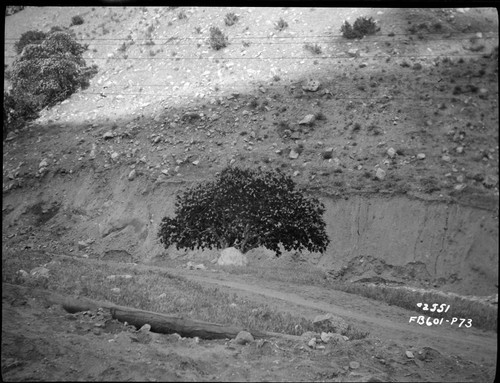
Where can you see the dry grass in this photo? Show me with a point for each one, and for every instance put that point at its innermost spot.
(182, 297)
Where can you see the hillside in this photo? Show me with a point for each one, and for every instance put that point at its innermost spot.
(397, 133)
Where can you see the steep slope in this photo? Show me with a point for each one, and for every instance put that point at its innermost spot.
(166, 111)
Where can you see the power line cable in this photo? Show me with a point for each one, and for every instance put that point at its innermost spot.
(385, 56)
(264, 37)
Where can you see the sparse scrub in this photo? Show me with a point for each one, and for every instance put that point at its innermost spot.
(181, 15)
(122, 48)
(253, 104)
(313, 48)
(230, 19)
(362, 27)
(281, 25)
(197, 30)
(217, 39)
(319, 116)
(76, 20)
(374, 129)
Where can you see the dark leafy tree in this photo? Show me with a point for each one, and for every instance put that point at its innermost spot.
(246, 208)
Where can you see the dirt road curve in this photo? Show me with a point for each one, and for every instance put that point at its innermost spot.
(386, 321)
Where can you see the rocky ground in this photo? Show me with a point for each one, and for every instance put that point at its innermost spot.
(411, 111)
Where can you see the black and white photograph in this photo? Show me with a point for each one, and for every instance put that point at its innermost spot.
(250, 193)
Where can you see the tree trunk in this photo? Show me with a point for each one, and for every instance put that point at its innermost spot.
(167, 324)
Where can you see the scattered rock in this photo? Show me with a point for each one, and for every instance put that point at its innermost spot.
(293, 154)
(353, 52)
(116, 290)
(391, 152)
(354, 365)
(308, 120)
(380, 174)
(409, 354)
(312, 343)
(145, 328)
(108, 135)
(243, 338)
(40, 272)
(311, 86)
(446, 158)
(331, 337)
(43, 164)
(308, 335)
(162, 295)
(327, 153)
(338, 323)
(490, 181)
(131, 175)
(459, 149)
(420, 156)
(82, 245)
(232, 256)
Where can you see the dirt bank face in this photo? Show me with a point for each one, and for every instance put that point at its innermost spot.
(427, 244)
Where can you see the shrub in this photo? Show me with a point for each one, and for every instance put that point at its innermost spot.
(181, 15)
(76, 20)
(316, 49)
(362, 27)
(11, 9)
(281, 25)
(47, 73)
(30, 37)
(217, 39)
(231, 19)
(246, 209)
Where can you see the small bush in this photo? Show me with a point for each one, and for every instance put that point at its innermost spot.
(319, 116)
(11, 9)
(316, 49)
(181, 15)
(122, 48)
(362, 27)
(281, 25)
(76, 20)
(231, 19)
(217, 39)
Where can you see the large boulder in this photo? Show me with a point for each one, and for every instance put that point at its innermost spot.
(232, 257)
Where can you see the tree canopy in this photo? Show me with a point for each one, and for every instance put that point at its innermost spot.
(246, 208)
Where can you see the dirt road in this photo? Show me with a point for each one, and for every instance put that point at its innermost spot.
(380, 319)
